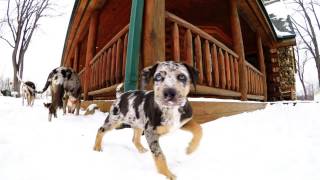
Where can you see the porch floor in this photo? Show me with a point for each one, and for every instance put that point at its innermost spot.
(204, 109)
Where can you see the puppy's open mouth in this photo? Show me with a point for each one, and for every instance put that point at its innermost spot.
(175, 102)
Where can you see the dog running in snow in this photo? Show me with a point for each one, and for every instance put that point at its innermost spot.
(27, 91)
(65, 91)
(157, 112)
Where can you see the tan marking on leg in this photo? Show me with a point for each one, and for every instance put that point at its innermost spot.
(163, 129)
(196, 131)
(100, 134)
(162, 167)
(78, 106)
(137, 140)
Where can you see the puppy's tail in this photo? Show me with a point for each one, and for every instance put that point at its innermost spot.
(119, 90)
(49, 79)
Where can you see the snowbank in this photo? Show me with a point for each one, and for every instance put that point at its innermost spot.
(280, 142)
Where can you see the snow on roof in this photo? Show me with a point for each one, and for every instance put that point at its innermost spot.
(279, 17)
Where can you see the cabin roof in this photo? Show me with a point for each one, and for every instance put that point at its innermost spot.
(279, 18)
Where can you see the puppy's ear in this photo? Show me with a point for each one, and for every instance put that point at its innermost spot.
(146, 74)
(193, 74)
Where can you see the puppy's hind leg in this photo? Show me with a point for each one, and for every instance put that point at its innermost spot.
(65, 101)
(78, 105)
(137, 140)
(196, 131)
(107, 126)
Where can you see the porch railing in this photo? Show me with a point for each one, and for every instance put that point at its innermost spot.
(216, 63)
(107, 67)
(255, 80)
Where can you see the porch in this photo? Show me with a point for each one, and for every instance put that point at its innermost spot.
(224, 72)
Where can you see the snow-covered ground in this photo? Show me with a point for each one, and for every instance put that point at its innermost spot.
(281, 142)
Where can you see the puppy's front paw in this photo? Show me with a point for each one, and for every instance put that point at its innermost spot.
(142, 150)
(190, 149)
(97, 148)
(171, 177)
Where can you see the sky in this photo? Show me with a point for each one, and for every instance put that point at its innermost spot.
(45, 49)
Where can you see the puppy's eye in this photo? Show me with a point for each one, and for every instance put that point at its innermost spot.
(158, 77)
(182, 77)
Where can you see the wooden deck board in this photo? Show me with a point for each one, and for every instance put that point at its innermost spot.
(203, 111)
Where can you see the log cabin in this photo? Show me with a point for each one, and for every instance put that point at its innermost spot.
(235, 45)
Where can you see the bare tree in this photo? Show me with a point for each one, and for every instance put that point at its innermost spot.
(307, 30)
(22, 19)
(301, 62)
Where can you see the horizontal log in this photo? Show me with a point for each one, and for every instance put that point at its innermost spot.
(253, 68)
(205, 90)
(255, 97)
(107, 90)
(110, 43)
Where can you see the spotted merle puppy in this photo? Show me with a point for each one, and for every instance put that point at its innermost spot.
(156, 112)
(65, 91)
(28, 92)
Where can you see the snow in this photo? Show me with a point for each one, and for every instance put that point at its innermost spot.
(279, 142)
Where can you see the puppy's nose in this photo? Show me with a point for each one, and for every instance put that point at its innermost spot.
(169, 94)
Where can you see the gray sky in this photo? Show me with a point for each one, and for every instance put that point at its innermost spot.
(45, 49)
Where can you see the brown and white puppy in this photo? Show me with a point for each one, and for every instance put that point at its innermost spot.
(65, 91)
(28, 92)
(157, 112)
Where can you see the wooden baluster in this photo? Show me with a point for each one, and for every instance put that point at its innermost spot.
(256, 83)
(252, 81)
(228, 74)
(248, 78)
(119, 60)
(198, 54)
(188, 49)
(124, 57)
(222, 70)
(99, 71)
(214, 56)
(208, 65)
(108, 72)
(113, 64)
(236, 72)
(102, 74)
(175, 42)
(94, 76)
(233, 81)
(104, 69)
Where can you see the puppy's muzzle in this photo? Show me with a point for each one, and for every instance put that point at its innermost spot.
(169, 94)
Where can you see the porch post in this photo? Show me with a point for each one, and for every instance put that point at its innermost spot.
(154, 32)
(133, 48)
(90, 51)
(238, 46)
(262, 66)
